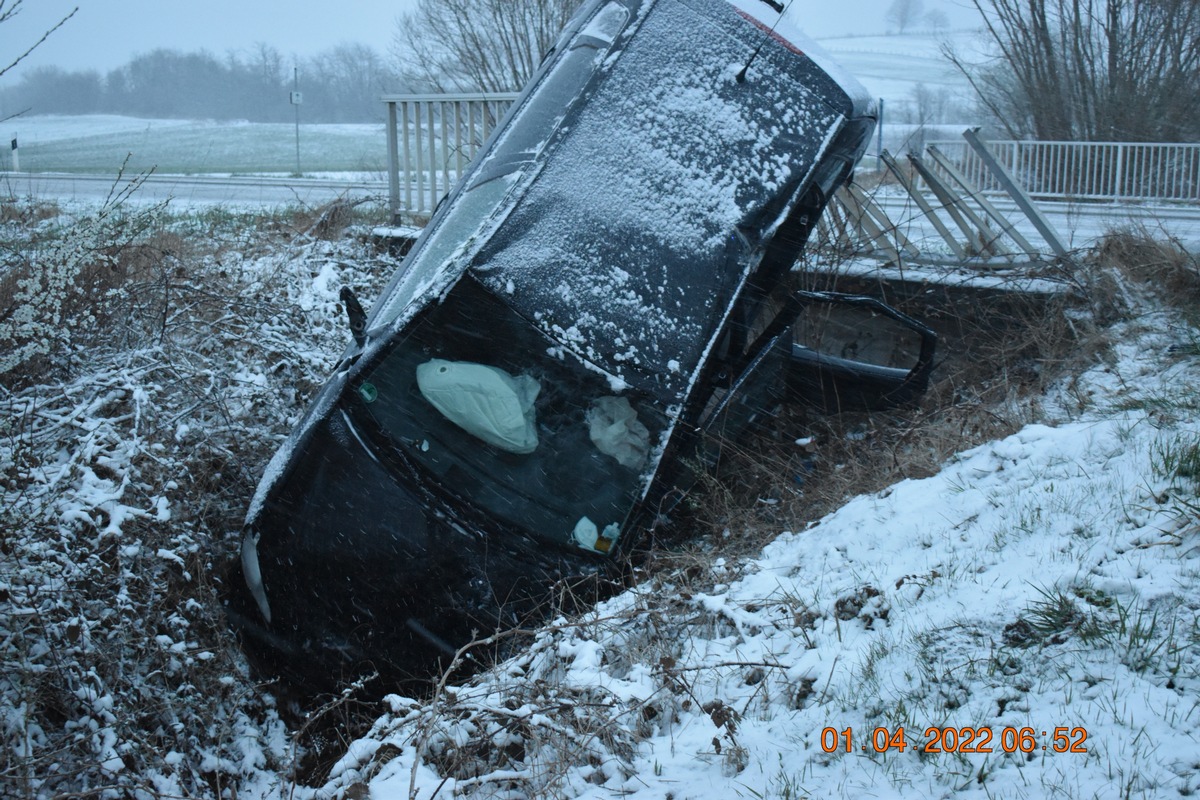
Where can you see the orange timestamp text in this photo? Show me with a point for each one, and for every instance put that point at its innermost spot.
(935, 739)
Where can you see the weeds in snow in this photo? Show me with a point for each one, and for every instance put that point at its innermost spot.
(151, 364)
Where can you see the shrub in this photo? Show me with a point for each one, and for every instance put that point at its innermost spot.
(57, 289)
(156, 361)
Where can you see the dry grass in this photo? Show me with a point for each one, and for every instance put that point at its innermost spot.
(26, 213)
(1156, 260)
(997, 352)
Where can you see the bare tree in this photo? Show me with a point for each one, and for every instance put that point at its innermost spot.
(349, 79)
(1092, 69)
(903, 14)
(484, 45)
(936, 20)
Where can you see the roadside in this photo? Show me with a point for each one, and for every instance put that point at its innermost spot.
(1016, 553)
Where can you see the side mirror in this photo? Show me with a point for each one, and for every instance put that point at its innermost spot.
(855, 353)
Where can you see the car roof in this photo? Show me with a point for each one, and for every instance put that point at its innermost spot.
(632, 242)
(631, 233)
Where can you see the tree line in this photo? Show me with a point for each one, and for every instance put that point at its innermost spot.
(342, 84)
(1063, 69)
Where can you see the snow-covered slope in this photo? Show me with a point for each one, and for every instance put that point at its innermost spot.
(893, 66)
(1030, 611)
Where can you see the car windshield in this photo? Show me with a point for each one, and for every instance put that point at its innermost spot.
(510, 423)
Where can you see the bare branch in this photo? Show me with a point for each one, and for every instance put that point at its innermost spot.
(1126, 70)
(484, 45)
(6, 15)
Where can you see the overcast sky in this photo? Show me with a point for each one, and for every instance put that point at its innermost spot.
(107, 33)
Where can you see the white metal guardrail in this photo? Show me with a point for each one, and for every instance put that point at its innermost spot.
(1087, 170)
(431, 139)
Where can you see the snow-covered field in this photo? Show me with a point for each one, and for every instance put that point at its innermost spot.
(101, 143)
(892, 66)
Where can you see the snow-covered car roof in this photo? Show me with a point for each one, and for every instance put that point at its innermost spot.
(615, 224)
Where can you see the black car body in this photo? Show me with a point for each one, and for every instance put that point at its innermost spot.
(599, 292)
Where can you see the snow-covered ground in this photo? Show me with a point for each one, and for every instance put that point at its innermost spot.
(1025, 623)
(1032, 610)
(1044, 582)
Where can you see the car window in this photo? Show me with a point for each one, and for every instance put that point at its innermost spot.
(534, 438)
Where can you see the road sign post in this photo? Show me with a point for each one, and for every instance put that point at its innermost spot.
(297, 99)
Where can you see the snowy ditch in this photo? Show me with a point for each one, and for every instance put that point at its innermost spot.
(1030, 611)
(1042, 582)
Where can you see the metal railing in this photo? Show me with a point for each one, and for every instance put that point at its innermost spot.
(431, 139)
(1088, 170)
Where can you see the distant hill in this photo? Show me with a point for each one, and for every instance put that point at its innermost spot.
(892, 66)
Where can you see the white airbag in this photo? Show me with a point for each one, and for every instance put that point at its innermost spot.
(484, 401)
(614, 428)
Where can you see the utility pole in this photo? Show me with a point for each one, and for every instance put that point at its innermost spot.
(297, 100)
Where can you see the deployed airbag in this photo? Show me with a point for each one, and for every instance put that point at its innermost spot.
(484, 401)
(614, 428)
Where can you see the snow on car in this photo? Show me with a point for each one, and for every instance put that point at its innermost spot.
(603, 289)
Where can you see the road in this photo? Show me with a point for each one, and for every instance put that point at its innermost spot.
(190, 190)
(1078, 224)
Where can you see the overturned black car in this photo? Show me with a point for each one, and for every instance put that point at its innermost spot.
(601, 293)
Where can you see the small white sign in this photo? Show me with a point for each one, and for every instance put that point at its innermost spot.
(297, 98)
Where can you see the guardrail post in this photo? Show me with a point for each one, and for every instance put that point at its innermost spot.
(407, 159)
(441, 154)
(1119, 185)
(393, 164)
(1018, 195)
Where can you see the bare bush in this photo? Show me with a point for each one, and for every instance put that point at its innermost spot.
(56, 289)
(1154, 258)
(1093, 70)
(125, 471)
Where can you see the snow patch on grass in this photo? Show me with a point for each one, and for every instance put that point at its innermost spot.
(1038, 594)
